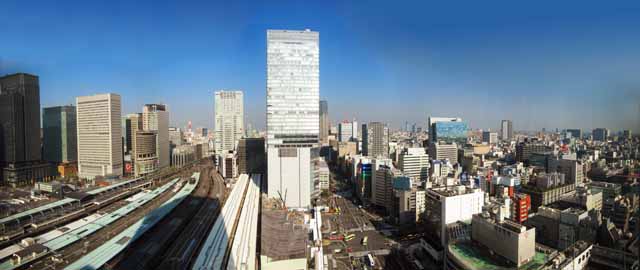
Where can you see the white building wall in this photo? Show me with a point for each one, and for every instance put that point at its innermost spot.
(99, 135)
(290, 176)
(229, 120)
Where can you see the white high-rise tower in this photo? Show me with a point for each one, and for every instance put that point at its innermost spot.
(99, 135)
(293, 121)
(229, 115)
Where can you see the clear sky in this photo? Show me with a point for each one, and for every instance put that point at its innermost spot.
(542, 64)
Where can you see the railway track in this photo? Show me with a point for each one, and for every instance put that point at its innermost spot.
(146, 252)
(182, 253)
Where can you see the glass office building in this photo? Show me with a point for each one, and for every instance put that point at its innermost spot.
(450, 131)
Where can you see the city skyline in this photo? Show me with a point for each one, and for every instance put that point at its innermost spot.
(495, 66)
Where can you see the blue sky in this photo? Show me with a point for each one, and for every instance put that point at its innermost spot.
(542, 64)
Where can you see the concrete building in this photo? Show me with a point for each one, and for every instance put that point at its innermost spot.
(414, 163)
(409, 205)
(446, 205)
(133, 124)
(506, 130)
(228, 166)
(293, 121)
(511, 240)
(347, 148)
(321, 175)
(375, 140)
(575, 133)
(155, 117)
(544, 196)
(572, 169)
(347, 131)
(183, 155)
(59, 134)
(176, 136)
(600, 134)
(251, 156)
(324, 122)
(146, 155)
(99, 135)
(489, 137)
(383, 186)
(525, 149)
(441, 151)
(229, 125)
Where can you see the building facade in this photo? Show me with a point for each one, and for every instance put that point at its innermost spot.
(347, 131)
(293, 121)
(146, 155)
(59, 134)
(414, 163)
(155, 117)
(375, 140)
(229, 117)
(20, 118)
(99, 135)
(506, 130)
(324, 122)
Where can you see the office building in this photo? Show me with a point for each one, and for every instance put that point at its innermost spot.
(544, 194)
(133, 124)
(447, 129)
(575, 133)
(321, 175)
(324, 122)
(442, 151)
(489, 137)
(146, 155)
(347, 131)
(176, 136)
(600, 134)
(251, 156)
(375, 140)
(408, 205)
(512, 241)
(293, 120)
(228, 166)
(506, 130)
(626, 134)
(183, 155)
(229, 125)
(59, 134)
(572, 169)
(99, 135)
(414, 163)
(525, 149)
(383, 186)
(446, 205)
(155, 117)
(20, 118)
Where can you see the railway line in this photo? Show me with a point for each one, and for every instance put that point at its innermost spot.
(148, 252)
(182, 253)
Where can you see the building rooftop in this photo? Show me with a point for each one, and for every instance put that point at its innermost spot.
(474, 256)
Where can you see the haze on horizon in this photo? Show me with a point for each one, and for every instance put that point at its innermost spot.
(546, 64)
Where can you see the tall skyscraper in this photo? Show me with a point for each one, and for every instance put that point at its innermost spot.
(99, 135)
(575, 133)
(229, 115)
(347, 131)
(155, 117)
(375, 140)
(324, 122)
(506, 130)
(293, 98)
(19, 118)
(59, 134)
(133, 123)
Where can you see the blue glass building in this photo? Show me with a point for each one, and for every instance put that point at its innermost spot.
(455, 131)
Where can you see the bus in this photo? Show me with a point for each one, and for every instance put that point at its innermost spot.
(372, 262)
